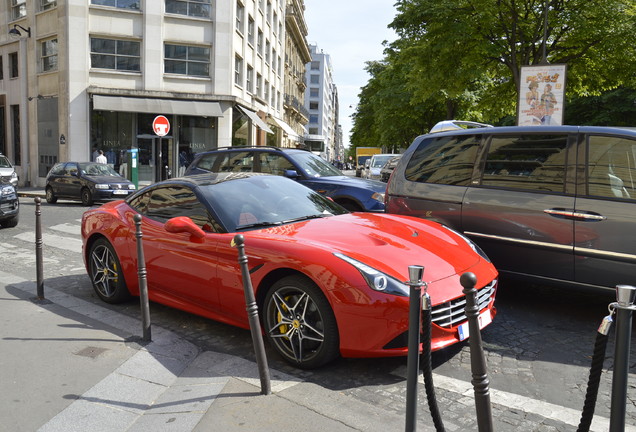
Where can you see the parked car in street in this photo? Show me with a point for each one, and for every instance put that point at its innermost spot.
(327, 282)
(7, 172)
(9, 206)
(85, 181)
(354, 194)
(388, 168)
(376, 163)
(551, 204)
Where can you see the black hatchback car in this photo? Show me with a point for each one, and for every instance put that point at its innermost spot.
(86, 181)
(552, 204)
(354, 194)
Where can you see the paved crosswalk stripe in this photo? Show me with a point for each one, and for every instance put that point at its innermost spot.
(54, 240)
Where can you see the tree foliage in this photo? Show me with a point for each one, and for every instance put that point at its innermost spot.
(462, 59)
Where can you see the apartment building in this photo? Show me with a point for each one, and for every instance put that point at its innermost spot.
(321, 100)
(78, 76)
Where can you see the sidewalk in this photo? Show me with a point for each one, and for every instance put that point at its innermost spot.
(69, 365)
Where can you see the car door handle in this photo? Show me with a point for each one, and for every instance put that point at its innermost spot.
(576, 215)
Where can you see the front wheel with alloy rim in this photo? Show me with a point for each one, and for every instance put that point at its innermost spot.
(106, 273)
(300, 323)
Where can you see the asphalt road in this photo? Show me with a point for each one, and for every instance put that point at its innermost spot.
(538, 348)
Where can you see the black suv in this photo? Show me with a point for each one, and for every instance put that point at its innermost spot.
(555, 204)
(9, 206)
(354, 194)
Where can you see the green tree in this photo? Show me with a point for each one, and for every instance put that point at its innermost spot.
(470, 52)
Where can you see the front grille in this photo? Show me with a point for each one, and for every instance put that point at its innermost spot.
(450, 313)
(5, 179)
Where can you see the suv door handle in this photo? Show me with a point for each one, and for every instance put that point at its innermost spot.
(576, 215)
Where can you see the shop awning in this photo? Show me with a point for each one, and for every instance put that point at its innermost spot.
(256, 119)
(287, 128)
(157, 106)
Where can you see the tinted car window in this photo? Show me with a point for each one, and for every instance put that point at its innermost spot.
(272, 163)
(444, 160)
(208, 162)
(57, 170)
(611, 167)
(237, 162)
(71, 169)
(529, 162)
(168, 202)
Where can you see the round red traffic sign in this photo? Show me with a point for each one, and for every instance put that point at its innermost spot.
(161, 125)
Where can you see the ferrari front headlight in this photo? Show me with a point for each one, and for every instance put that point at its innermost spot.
(376, 279)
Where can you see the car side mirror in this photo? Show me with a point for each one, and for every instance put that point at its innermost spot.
(292, 174)
(183, 224)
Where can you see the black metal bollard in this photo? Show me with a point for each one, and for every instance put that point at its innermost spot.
(252, 313)
(38, 249)
(625, 295)
(477, 359)
(413, 357)
(143, 282)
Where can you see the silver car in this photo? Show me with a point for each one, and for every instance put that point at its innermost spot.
(552, 204)
(7, 172)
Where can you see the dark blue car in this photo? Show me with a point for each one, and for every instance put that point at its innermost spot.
(352, 193)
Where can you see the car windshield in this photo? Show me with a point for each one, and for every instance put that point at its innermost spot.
(4, 162)
(315, 166)
(380, 161)
(266, 201)
(97, 169)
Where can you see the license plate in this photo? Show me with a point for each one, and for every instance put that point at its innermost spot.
(484, 319)
(120, 192)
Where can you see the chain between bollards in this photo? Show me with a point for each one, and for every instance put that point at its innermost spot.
(38, 249)
(477, 359)
(143, 282)
(252, 313)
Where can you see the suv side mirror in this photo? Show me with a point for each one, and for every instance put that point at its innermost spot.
(292, 174)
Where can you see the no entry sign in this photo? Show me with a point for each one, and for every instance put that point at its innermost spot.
(161, 125)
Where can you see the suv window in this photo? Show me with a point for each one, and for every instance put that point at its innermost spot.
(444, 160)
(237, 162)
(529, 162)
(273, 163)
(611, 167)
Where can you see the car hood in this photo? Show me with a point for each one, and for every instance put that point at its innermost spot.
(6, 171)
(388, 243)
(372, 185)
(106, 179)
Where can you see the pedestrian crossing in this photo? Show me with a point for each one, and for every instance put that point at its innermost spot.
(61, 249)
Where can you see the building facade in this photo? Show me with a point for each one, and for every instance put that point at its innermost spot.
(297, 55)
(321, 100)
(77, 76)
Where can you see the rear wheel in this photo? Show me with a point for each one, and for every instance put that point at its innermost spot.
(106, 273)
(87, 197)
(300, 324)
(50, 196)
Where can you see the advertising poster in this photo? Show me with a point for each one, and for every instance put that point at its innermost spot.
(541, 95)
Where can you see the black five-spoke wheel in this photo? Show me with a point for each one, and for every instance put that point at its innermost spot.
(105, 272)
(300, 323)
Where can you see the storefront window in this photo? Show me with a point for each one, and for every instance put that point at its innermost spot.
(112, 132)
(196, 135)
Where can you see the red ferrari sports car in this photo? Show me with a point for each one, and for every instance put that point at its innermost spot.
(327, 282)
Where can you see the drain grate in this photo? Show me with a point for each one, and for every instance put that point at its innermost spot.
(92, 352)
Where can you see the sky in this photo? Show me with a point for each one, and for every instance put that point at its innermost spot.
(351, 32)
